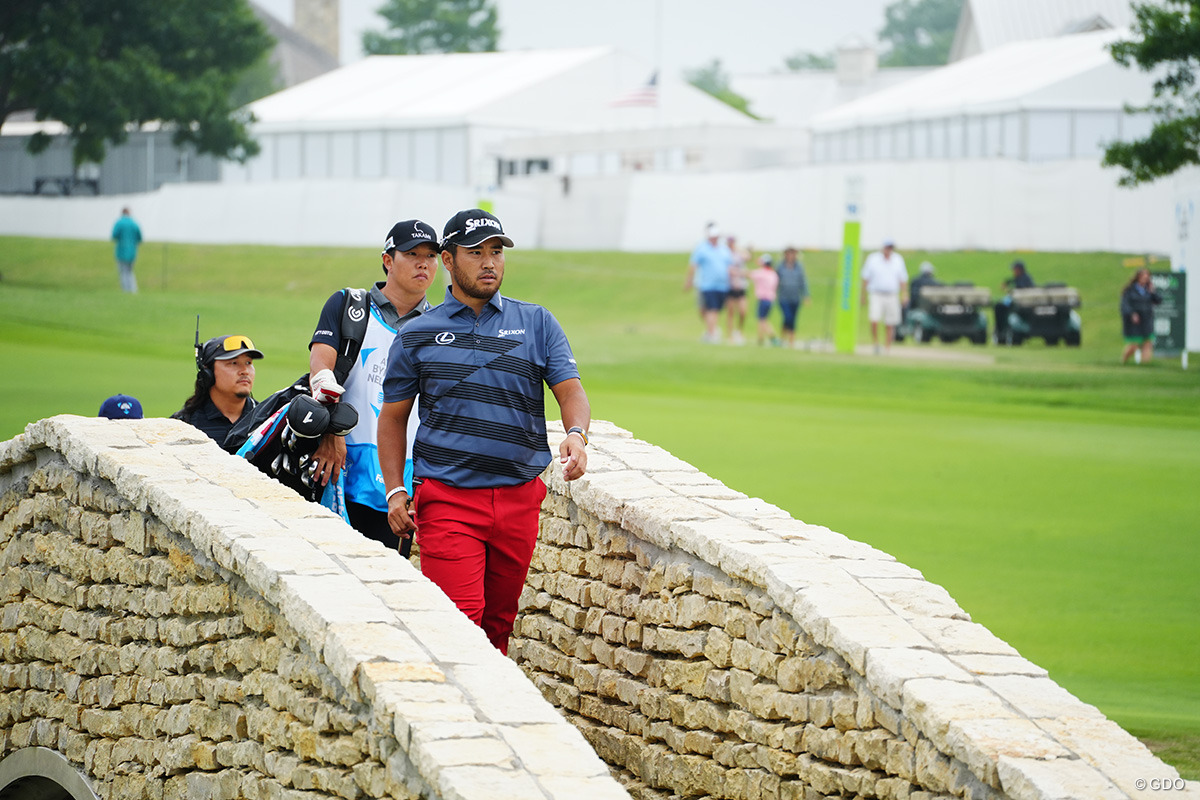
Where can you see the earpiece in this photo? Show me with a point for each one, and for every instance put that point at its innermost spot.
(204, 374)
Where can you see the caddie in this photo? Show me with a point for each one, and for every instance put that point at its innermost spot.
(409, 264)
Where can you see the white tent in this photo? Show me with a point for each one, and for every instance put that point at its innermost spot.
(440, 118)
(1040, 100)
(985, 25)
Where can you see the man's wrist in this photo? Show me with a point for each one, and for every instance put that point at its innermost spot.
(580, 432)
(399, 489)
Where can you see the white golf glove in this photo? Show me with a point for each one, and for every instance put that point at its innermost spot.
(325, 387)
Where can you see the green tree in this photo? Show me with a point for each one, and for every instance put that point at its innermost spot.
(806, 60)
(1165, 37)
(434, 26)
(918, 33)
(715, 81)
(98, 66)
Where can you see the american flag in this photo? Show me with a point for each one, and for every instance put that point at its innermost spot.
(644, 96)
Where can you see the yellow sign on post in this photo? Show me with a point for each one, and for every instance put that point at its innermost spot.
(845, 334)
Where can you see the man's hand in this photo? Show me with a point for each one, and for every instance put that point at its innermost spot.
(572, 454)
(399, 518)
(329, 458)
(325, 387)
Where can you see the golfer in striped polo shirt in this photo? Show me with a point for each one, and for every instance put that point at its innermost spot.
(478, 362)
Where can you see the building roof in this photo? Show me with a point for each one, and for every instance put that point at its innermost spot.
(296, 57)
(1068, 72)
(533, 90)
(985, 25)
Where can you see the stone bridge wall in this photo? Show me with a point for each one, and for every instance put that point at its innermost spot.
(173, 624)
(176, 625)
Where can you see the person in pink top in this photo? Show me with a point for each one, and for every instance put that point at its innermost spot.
(766, 282)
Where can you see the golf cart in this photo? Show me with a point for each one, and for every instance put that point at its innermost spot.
(1046, 312)
(947, 313)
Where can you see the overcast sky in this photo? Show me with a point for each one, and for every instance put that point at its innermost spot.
(748, 36)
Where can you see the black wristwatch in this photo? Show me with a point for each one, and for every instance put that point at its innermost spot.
(580, 431)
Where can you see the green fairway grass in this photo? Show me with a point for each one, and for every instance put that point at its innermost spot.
(1054, 493)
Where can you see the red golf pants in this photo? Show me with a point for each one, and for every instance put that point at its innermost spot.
(476, 545)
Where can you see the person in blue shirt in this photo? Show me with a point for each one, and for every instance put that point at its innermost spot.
(478, 361)
(708, 271)
(128, 236)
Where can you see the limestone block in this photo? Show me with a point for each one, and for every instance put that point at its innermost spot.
(431, 757)
(1039, 698)
(1106, 746)
(518, 703)
(553, 750)
(406, 597)
(954, 637)
(653, 519)
(1034, 779)
(997, 665)
(934, 703)
(348, 645)
(469, 782)
(828, 543)
(888, 668)
(857, 613)
(604, 494)
(980, 743)
(594, 788)
(900, 759)
(703, 538)
(915, 597)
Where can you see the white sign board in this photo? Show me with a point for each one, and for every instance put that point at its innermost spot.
(1185, 255)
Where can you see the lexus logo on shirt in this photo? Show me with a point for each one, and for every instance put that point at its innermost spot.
(445, 337)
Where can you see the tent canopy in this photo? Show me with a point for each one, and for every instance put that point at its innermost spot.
(542, 90)
(987, 24)
(1074, 72)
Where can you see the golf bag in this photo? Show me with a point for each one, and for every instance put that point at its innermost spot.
(281, 433)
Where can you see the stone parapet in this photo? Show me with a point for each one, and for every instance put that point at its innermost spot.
(176, 625)
(710, 646)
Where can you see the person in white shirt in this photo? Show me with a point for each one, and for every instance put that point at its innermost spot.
(885, 291)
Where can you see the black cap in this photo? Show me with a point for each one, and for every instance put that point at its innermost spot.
(407, 234)
(471, 227)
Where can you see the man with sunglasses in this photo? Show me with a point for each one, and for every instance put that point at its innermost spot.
(224, 382)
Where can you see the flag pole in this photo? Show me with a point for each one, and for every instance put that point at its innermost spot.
(658, 60)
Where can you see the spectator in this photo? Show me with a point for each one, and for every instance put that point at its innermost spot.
(409, 265)
(708, 271)
(121, 406)
(128, 236)
(224, 386)
(1138, 300)
(791, 293)
(1021, 279)
(885, 284)
(478, 361)
(924, 278)
(766, 283)
(739, 281)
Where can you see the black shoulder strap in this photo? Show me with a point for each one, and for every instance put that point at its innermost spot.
(355, 310)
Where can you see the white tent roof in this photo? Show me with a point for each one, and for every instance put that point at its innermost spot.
(793, 98)
(542, 90)
(1067, 72)
(987, 24)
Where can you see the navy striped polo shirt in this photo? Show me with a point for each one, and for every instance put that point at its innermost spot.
(482, 405)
